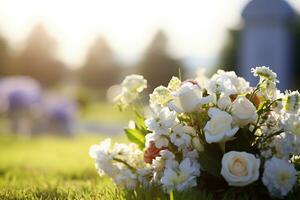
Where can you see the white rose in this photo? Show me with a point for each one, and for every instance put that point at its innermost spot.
(188, 98)
(243, 111)
(224, 102)
(219, 127)
(240, 168)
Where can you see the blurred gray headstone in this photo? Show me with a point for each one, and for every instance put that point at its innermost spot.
(266, 39)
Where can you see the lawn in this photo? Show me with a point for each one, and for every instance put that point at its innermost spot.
(50, 168)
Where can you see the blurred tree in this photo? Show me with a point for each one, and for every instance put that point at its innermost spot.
(38, 58)
(100, 69)
(229, 52)
(4, 57)
(158, 66)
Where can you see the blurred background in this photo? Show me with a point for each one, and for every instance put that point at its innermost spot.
(58, 58)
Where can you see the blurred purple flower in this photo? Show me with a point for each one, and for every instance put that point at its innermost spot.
(18, 92)
(60, 112)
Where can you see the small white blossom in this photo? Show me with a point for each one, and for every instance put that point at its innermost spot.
(291, 123)
(227, 83)
(265, 73)
(174, 84)
(125, 178)
(182, 177)
(166, 160)
(279, 177)
(134, 83)
(267, 82)
(291, 102)
(160, 140)
(130, 88)
(162, 121)
(117, 162)
(161, 95)
(283, 145)
(145, 176)
(272, 123)
(181, 135)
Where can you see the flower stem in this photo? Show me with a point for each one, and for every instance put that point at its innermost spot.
(171, 194)
(222, 146)
(125, 163)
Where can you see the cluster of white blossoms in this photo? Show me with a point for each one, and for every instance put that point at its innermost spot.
(118, 162)
(219, 126)
(131, 87)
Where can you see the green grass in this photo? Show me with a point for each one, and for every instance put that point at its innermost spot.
(49, 168)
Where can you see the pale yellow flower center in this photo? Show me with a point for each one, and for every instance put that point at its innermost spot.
(179, 178)
(238, 167)
(283, 178)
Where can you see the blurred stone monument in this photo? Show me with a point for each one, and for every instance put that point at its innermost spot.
(266, 39)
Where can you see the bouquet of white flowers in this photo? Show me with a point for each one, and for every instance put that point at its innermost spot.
(215, 134)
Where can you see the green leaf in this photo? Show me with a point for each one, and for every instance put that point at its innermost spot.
(210, 160)
(243, 142)
(140, 124)
(136, 136)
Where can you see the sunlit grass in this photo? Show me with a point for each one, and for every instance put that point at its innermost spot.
(48, 164)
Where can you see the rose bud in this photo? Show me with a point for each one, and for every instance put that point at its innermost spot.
(151, 152)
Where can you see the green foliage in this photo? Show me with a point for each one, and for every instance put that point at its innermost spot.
(138, 133)
(210, 159)
(135, 136)
(243, 141)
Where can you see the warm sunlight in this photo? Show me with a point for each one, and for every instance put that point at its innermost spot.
(128, 25)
